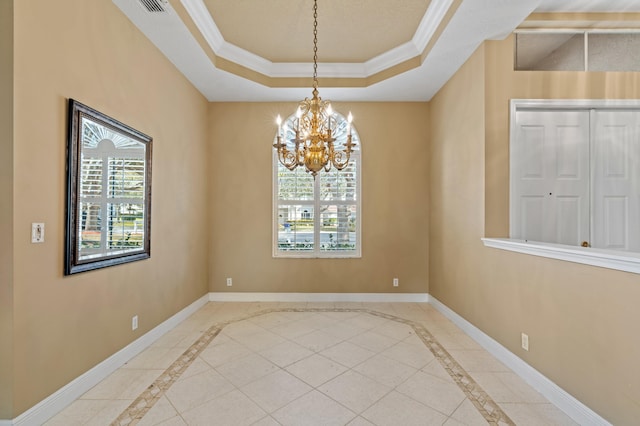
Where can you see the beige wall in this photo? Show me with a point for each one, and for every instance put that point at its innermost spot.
(457, 181)
(446, 187)
(394, 203)
(6, 207)
(581, 320)
(63, 326)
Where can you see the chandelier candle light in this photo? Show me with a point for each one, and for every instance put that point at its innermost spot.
(314, 142)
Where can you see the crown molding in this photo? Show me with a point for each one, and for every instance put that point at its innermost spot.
(428, 26)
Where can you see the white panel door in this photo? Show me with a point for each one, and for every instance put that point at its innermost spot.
(616, 181)
(550, 176)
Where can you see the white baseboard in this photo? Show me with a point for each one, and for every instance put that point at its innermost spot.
(53, 404)
(575, 409)
(318, 297)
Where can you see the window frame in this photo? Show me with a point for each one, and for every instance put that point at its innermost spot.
(316, 203)
(587, 56)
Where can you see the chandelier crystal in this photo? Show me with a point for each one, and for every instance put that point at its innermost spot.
(314, 148)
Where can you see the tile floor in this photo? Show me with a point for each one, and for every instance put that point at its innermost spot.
(313, 364)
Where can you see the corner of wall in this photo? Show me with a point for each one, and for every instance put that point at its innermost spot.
(6, 209)
(497, 73)
(457, 117)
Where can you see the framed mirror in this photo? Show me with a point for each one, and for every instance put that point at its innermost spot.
(108, 217)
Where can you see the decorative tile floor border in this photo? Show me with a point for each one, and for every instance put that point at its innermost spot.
(485, 405)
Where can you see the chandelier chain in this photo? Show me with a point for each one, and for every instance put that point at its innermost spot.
(315, 44)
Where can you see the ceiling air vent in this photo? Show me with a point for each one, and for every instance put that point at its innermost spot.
(153, 5)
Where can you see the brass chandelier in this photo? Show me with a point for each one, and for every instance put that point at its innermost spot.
(313, 141)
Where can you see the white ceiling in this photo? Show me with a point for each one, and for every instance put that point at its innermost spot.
(236, 50)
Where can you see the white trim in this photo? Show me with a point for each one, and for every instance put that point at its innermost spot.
(390, 58)
(585, 43)
(203, 20)
(325, 69)
(432, 18)
(524, 104)
(429, 23)
(56, 402)
(575, 409)
(618, 260)
(318, 297)
(577, 30)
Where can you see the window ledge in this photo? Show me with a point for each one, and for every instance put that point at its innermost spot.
(618, 260)
(294, 255)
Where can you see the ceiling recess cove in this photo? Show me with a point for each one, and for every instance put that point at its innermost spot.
(153, 5)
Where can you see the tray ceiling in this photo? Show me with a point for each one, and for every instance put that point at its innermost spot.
(368, 50)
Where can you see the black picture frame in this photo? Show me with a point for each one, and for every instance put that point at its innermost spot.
(108, 208)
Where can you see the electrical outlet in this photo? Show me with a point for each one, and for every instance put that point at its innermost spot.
(525, 342)
(37, 232)
(395, 282)
(229, 282)
(134, 322)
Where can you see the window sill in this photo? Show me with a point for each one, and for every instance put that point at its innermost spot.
(314, 256)
(618, 260)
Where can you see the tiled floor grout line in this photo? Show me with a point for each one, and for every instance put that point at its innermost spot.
(485, 405)
(317, 388)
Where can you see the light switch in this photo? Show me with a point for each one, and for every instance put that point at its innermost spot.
(37, 232)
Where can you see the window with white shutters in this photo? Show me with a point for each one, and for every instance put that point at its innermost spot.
(111, 199)
(321, 217)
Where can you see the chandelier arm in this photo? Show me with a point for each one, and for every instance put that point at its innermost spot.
(285, 156)
(287, 159)
(291, 167)
(331, 154)
(338, 161)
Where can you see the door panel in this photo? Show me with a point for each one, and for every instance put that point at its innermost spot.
(532, 142)
(567, 209)
(616, 188)
(568, 152)
(551, 153)
(616, 226)
(532, 217)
